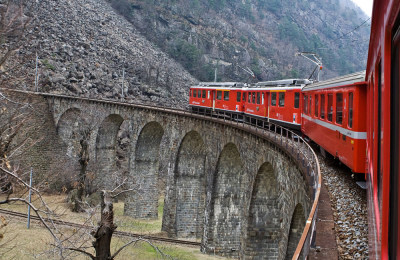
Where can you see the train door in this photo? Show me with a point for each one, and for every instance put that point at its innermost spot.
(394, 214)
(213, 96)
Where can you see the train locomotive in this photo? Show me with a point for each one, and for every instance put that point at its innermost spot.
(277, 101)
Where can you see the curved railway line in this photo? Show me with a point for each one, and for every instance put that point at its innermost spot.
(117, 233)
(287, 141)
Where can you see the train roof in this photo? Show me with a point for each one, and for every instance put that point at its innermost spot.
(284, 83)
(287, 83)
(220, 84)
(338, 81)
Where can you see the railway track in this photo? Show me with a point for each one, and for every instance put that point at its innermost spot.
(117, 233)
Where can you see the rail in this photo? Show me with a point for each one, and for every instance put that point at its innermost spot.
(289, 141)
(117, 233)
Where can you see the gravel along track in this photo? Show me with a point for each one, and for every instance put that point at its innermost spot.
(349, 205)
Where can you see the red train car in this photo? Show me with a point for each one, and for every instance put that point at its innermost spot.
(334, 117)
(224, 96)
(383, 141)
(278, 101)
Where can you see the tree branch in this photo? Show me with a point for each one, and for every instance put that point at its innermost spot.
(81, 251)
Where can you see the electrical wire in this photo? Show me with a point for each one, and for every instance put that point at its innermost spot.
(354, 29)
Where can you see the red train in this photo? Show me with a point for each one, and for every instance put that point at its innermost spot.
(355, 118)
(278, 101)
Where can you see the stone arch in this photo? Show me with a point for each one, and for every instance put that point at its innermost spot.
(68, 126)
(296, 229)
(226, 203)
(106, 146)
(146, 167)
(263, 231)
(190, 186)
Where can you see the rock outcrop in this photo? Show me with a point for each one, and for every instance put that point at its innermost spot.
(85, 48)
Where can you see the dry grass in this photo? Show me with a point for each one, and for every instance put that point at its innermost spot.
(36, 243)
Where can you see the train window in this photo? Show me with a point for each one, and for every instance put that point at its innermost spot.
(273, 99)
(258, 97)
(281, 99)
(330, 107)
(339, 108)
(262, 98)
(204, 94)
(244, 97)
(194, 93)
(254, 98)
(219, 95)
(322, 106)
(199, 93)
(238, 96)
(208, 94)
(309, 105)
(350, 110)
(316, 106)
(249, 101)
(296, 100)
(226, 95)
(305, 104)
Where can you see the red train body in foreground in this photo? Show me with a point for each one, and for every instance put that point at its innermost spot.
(383, 142)
(355, 118)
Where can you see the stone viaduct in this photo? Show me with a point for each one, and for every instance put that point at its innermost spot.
(242, 195)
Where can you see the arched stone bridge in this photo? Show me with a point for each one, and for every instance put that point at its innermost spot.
(242, 195)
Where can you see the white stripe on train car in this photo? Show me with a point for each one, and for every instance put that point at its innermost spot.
(343, 131)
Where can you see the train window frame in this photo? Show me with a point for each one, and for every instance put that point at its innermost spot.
(273, 99)
(194, 93)
(316, 104)
(329, 111)
(219, 94)
(238, 96)
(226, 95)
(350, 110)
(281, 97)
(339, 108)
(296, 99)
(322, 107)
(203, 93)
(258, 98)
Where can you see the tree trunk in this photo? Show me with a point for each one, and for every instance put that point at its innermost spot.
(106, 228)
(83, 161)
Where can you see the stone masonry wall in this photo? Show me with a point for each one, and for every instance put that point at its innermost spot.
(236, 191)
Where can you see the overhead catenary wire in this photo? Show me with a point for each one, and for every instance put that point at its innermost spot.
(356, 28)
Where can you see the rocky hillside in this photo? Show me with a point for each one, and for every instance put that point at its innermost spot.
(151, 51)
(85, 48)
(262, 35)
